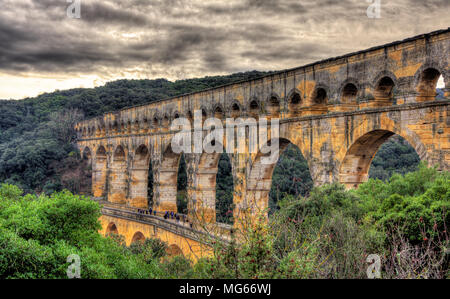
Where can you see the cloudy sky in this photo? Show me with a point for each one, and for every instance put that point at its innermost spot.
(42, 49)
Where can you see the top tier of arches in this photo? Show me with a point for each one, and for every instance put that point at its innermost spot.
(396, 74)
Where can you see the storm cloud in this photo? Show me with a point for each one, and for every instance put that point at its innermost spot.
(179, 39)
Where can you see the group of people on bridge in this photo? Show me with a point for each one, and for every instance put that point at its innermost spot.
(167, 215)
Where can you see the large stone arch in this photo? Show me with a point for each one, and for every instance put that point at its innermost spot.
(118, 176)
(355, 162)
(259, 181)
(99, 172)
(139, 177)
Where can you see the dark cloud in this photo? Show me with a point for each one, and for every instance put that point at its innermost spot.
(176, 38)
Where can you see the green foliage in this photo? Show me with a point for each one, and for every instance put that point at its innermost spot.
(291, 177)
(224, 191)
(418, 203)
(394, 156)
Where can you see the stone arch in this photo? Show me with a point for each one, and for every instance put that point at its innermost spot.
(426, 81)
(319, 96)
(204, 111)
(349, 92)
(165, 122)
(167, 181)
(254, 107)
(219, 113)
(139, 177)
(354, 168)
(383, 87)
(138, 237)
(273, 105)
(259, 181)
(156, 121)
(173, 251)
(235, 109)
(99, 172)
(118, 178)
(176, 115)
(112, 229)
(294, 102)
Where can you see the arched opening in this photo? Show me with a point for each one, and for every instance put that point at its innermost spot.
(139, 176)
(294, 103)
(117, 185)
(291, 177)
(115, 128)
(355, 167)
(136, 127)
(320, 97)
(144, 126)
(99, 173)
(235, 111)
(384, 89)
(261, 176)
(111, 229)
(173, 250)
(218, 113)
(349, 94)
(182, 194)
(253, 109)
(155, 123)
(138, 237)
(224, 190)
(273, 107)
(396, 155)
(428, 85)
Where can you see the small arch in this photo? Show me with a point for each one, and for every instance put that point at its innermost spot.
(176, 115)
(384, 89)
(320, 96)
(235, 110)
(119, 154)
(142, 153)
(138, 237)
(190, 116)
(428, 83)
(204, 115)
(173, 251)
(349, 93)
(112, 229)
(273, 107)
(218, 112)
(253, 108)
(101, 152)
(294, 102)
